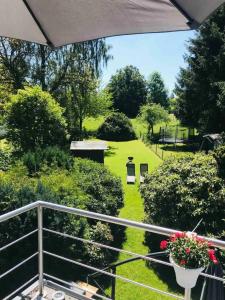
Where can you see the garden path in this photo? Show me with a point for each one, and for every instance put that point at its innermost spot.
(133, 209)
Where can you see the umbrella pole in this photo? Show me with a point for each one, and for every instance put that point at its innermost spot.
(187, 295)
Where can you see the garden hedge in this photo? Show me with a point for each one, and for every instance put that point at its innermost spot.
(184, 190)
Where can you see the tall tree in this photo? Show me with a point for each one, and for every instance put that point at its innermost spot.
(23, 63)
(57, 71)
(81, 83)
(201, 85)
(152, 114)
(15, 57)
(50, 67)
(128, 89)
(157, 92)
(84, 98)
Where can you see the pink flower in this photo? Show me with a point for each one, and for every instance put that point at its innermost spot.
(163, 245)
(211, 254)
(200, 240)
(187, 250)
(173, 238)
(215, 260)
(182, 262)
(180, 234)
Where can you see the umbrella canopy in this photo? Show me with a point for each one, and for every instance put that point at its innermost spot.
(61, 22)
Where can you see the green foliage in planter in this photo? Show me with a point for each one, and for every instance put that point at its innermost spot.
(116, 127)
(34, 119)
(189, 251)
(48, 157)
(183, 191)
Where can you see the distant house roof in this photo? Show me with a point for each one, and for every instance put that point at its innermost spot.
(88, 145)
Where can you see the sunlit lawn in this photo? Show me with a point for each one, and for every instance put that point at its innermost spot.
(141, 128)
(92, 124)
(133, 209)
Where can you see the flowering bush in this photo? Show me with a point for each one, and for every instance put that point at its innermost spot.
(189, 251)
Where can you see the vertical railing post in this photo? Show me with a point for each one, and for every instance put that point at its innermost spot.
(187, 295)
(113, 292)
(40, 251)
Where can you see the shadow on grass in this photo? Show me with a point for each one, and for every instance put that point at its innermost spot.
(75, 251)
(111, 151)
(181, 148)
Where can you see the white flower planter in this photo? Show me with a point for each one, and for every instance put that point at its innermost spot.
(186, 278)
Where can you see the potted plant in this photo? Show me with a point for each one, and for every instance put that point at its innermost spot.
(189, 255)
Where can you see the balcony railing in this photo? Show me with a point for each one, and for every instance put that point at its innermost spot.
(42, 275)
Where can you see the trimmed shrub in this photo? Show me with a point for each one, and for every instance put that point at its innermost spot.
(104, 190)
(50, 157)
(183, 191)
(116, 127)
(34, 119)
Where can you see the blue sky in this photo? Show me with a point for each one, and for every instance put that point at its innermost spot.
(161, 52)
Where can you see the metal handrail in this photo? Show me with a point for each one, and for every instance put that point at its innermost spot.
(92, 215)
(21, 287)
(112, 275)
(39, 205)
(136, 255)
(18, 240)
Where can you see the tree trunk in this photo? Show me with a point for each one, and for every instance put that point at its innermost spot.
(43, 68)
(80, 124)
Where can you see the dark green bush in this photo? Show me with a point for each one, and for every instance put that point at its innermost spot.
(105, 193)
(48, 157)
(5, 159)
(116, 127)
(86, 185)
(3, 132)
(219, 155)
(183, 191)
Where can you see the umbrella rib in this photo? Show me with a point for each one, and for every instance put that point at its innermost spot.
(38, 24)
(191, 22)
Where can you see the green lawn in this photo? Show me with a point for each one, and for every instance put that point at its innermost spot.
(141, 128)
(92, 124)
(133, 209)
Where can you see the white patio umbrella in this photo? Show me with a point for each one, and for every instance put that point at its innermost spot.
(60, 22)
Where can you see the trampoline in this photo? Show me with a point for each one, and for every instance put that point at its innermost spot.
(171, 141)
